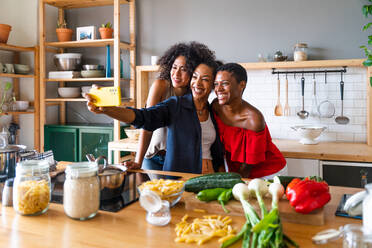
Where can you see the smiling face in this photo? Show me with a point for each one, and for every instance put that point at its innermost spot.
(201, 82)
(179, 75)
(227, 88)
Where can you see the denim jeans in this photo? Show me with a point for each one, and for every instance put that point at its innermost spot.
(154, 163)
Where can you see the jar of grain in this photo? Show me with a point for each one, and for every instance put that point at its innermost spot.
(300, 52)
(31, 189)
(81, 191)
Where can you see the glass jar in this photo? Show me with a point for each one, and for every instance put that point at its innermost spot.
(31, 190)
(158, 212)
(300, 52)
(81, 192)
(367, 212)
(356, 236)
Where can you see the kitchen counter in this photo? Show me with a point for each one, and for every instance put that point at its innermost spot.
(355, 152)
(128, 227)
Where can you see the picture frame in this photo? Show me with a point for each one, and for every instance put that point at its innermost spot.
(86, 33)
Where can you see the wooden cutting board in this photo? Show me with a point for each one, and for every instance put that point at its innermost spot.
(287, 213)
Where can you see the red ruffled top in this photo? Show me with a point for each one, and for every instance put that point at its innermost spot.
(253, 148)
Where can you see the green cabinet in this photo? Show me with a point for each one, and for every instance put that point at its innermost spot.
(73, 142)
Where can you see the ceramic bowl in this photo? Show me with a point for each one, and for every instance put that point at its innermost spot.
(22, 105)
(21, 69)
(309, 133)
(69, 91)
(68, 61)
(92, 67)
(92, 73)
(132, 134)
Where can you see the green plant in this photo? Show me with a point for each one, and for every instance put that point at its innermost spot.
(367, 10)
(107, 25)
(7, 87)
(62, 25)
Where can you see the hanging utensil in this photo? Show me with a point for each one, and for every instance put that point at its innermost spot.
(343, 120)
(314, 101)
(303, 114)
(278, 111)
(286, 105)
(326, 109)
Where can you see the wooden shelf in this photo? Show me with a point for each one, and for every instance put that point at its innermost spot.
(88, 43)
(71, 4)
(31, 111)
(84, 79)
(16, 75)
(12, 48)
(125, 101)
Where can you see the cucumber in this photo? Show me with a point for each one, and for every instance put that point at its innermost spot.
(225, 180)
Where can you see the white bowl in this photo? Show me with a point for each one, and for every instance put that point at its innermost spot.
(69, 91)
(132, 134)
(309, 133)
(22, 105)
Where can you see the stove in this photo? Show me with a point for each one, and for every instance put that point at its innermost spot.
(129, 192)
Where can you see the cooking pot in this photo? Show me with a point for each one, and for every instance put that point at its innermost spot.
(9, 157)
(111, 177)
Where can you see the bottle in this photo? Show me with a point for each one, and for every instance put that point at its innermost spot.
(367, 212)
(121, 67)
(300, 52)
(31, 191)
(81, 191)
(4, 136)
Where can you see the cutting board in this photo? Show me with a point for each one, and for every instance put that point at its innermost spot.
(287, 213)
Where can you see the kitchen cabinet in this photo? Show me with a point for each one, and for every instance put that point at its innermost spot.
(51, 46)
(34, 109)
(73, 142)
(302, 167)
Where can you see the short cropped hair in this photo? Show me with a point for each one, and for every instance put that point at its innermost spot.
(237, 71)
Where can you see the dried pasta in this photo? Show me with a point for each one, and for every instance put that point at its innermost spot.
(165, 188)
(32, 196)
(202, 230)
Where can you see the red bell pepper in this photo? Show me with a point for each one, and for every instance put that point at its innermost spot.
(308, 194)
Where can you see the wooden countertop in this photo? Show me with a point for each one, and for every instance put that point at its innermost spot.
(128, 227)
(357, 152)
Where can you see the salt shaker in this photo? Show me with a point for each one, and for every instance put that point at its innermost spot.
(7, 198)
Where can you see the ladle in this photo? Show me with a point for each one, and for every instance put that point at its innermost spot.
(303, 114)
(278, 111)
(343, 120)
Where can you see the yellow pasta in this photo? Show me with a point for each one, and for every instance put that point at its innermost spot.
(203, 230)
(32, 196)
(165, 188)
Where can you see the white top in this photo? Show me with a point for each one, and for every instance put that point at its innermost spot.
(208, 133)
(159, 136)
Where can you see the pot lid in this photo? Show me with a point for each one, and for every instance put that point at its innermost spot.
(12, 148)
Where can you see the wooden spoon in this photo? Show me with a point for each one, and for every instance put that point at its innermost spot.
(278, 111)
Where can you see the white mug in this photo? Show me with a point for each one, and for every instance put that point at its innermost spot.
(154, 60)
(9, 68)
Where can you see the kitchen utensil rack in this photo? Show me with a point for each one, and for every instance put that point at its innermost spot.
(309, 72)
(115, 43)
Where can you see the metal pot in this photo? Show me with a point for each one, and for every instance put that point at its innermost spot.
(111, 177)
(9, 157)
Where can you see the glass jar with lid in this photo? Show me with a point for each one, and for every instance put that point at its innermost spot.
(81, 191)
(367, 206)
(300, 52)
(31, 189)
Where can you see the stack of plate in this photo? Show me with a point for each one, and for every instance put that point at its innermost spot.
(93, 71)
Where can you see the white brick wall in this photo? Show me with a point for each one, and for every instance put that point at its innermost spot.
(261, 92)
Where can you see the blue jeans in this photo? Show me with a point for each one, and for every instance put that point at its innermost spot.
(154, 163)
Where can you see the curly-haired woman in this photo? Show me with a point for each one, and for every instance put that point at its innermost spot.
(175, 69)
(193, 143)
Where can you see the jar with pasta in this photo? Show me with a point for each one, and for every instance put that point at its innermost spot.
(81, 191)
(31, 190)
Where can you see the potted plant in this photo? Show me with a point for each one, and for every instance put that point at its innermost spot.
(63, 33)
(367, 10)
(4, 32)
(106, 31)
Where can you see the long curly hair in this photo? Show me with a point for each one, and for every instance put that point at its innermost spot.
(194, 52)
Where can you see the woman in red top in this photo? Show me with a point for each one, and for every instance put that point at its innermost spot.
(242, 128)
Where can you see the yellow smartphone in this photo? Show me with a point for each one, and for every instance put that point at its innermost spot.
(106, 96)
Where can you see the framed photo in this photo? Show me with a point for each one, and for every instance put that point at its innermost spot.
(86, 33)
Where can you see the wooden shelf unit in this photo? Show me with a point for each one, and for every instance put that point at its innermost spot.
(46, 46)
(144, 70)
(16, 50)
